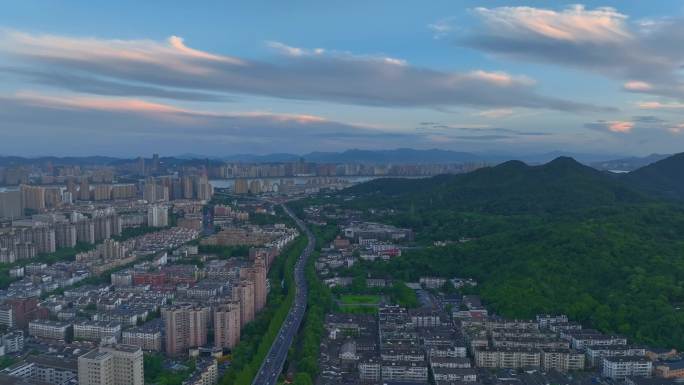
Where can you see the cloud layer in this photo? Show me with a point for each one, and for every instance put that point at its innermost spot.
(171, 69)
(646, 56)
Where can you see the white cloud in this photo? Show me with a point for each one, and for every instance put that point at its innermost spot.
(173, 69)
(645, 55)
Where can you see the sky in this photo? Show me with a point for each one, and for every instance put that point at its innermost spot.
(124, 78)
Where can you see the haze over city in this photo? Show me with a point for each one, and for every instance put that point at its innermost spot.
(260, 77)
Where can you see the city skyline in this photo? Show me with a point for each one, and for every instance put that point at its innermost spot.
(486, 77)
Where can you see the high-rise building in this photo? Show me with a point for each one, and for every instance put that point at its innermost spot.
(255, 186)
(112, 365)
(96, 368)
(102, 192)
(157, 216)
(203, 189)
(141, 166)
(128, 364)
(185, 326)
(124, 191)
(53, 197)
(44, 239)
(155, 162)
(227, 325)
(241, 186)
(154, 191)
(85, 231)
(187, 186)
(260, 292)
(244, 293)
(33, 197)
(65, 234)
(10, 204)
(257, 276)
(71, 187)
(84, 190)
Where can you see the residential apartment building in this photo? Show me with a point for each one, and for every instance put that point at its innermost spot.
(52, 330)
(618, 368)
(507, 358)
(112, 365)
(405, 371)
(44, 370)
(595, 354)
(227, 325)
(185, 326)
(145, 337)
(97, 330)
(562, 360)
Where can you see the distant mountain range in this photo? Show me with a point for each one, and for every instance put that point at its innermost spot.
(396, 156)
(628, 164)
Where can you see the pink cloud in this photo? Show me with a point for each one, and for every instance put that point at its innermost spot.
(159, 110)
(173, 54)
(620, 126)
(574, 23)
(677, 129)
(636, 85)
(501, 79)
(660, 106)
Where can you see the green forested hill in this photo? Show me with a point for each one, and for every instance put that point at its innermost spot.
(554, 238)
(664, 178)
(509, 188)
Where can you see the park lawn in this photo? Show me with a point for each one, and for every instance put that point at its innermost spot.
(356, 299)
(358, 309)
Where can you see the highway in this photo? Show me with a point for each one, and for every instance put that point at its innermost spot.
(272, 366)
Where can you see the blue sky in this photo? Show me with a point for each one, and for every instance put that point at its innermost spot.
(130, 77)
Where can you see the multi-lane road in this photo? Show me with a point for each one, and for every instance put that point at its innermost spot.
(273, 364)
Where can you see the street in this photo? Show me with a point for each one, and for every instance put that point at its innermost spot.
(272, 366)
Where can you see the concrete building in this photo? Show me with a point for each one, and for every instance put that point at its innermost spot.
(405, 371)
(84, 190)
(507, 358)
(227, 325)
(44, 370)
(595, 354)
(97, 331)
(65, 235)
(96, 368)
(124, 191)
(157, 216)
(13, 341)
(148, 338)
(33, 198)
(670, 369)
(618, 368)
(244, 293)
(6, 316)
(128, 364)
(51, 330)
(562, 360)
(102, 192)
(112, 365)
(206, 373)
(185, 326)
(10, 204)
(85, 231)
